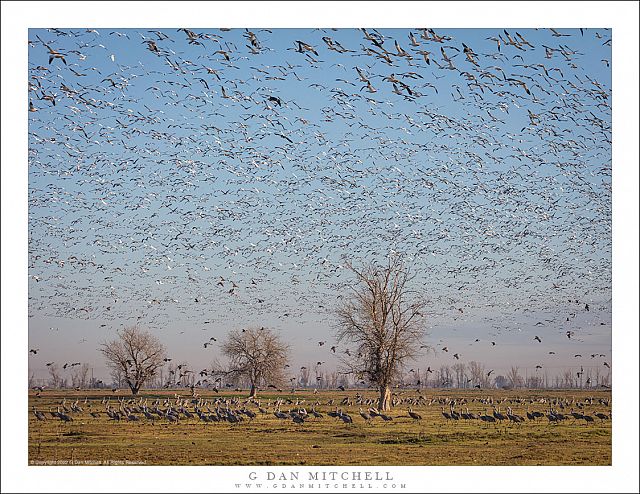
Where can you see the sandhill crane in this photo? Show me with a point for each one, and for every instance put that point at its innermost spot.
(601, 416)
(365, 416)
(445, 414)
(498, 416)
(297, 418)
(233, 418)
(39, 415)
(552, 417)
(530, 415)
(487, 418)
(560, 416)
(345, 417)
(414, 415)
(513, 417)
(64, 417)
(587, 418)
(537, 415)
(281, 415)
(576, 415)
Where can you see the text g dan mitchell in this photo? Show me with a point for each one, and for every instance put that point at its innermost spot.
(321, 476)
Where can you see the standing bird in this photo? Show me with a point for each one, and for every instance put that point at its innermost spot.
(487, 418)
(414, 415)
(498, 416)
(365, 416)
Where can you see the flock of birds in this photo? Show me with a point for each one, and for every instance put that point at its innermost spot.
(234, 410)
(182, 178)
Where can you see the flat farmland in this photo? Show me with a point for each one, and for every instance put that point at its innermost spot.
(265, 439)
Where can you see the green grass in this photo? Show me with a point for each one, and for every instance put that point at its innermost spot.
(327, 441)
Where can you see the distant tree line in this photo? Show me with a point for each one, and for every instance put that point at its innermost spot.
(382, 319)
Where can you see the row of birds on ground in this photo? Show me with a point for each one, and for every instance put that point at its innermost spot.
(234, 410)
(176, 171)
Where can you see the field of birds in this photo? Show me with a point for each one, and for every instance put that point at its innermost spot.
(425, 427)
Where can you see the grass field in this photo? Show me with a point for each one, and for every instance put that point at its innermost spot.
(267, 440)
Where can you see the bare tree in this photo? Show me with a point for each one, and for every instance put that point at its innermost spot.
(54, 373)
(567, 378)
(256, 354)
(459, 369)
(333, 379)
(117, 377)
(385, 325)
(137, 354)
(478, 374)
(444, 377)
(304, 376)
(79, 376)
(501, 382)
(513, 375)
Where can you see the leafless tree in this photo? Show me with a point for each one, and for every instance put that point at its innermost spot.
(606, 379)
(461, 379)
(478, 374)
(54, 373)
(444, 377)
(79, 376)
(513, 375)
(256, 354)
(383, 322)
(117, 377)
(184, 376)
(534, 381)
(304, 376)
(137, 354)
(333, 379)
(502, 382)
(172, 375)
(567, 378)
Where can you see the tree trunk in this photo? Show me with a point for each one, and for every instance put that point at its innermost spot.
(384, 402)
(134, 390)
(254, 391)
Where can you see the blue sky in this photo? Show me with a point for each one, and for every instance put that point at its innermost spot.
(146, 189)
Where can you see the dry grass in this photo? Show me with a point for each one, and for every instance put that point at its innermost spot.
(327, 441)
